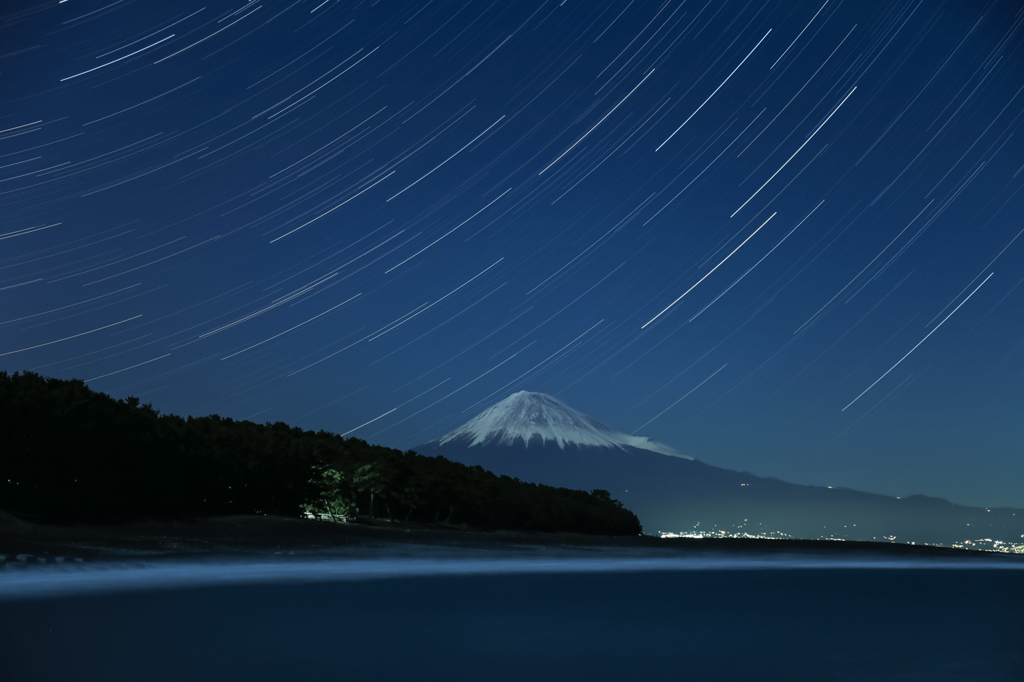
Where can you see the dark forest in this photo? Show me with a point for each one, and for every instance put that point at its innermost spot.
(70, 451)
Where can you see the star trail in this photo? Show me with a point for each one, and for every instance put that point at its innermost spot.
(742, 226)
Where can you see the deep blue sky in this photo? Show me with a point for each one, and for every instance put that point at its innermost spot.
(322, 212)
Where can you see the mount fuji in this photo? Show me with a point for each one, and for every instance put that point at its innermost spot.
(537, 438)
(536, 419)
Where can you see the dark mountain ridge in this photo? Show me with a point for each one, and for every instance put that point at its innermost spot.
(68, 451)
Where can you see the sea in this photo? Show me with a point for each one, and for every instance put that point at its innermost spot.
(513, 616)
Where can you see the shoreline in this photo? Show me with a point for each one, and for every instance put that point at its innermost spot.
(116, 538)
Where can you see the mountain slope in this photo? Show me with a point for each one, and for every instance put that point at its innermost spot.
(533, 437)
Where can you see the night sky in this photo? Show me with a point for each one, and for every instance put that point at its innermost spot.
(781, 237)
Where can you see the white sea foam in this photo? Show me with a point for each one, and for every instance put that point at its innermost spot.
(113, 577)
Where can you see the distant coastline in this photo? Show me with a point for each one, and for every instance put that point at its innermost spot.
(42, 539)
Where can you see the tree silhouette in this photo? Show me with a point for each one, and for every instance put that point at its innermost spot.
(65, 448)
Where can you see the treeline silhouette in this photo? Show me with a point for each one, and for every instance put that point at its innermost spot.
(65, 448)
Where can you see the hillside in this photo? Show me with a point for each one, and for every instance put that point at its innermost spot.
(73, 451)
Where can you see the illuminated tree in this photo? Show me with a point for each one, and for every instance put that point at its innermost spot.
(336, 498)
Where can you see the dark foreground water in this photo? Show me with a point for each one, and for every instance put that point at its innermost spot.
(559, 620)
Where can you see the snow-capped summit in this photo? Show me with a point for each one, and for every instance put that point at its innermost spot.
(524, 418)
